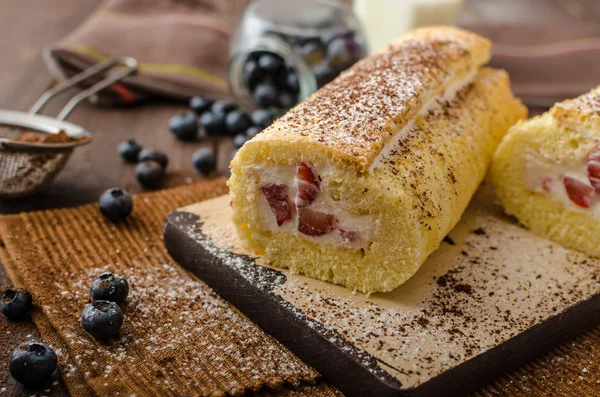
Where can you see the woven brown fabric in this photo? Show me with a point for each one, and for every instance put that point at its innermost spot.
(178, 338)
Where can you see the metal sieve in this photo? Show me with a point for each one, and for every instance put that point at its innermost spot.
(26, 167)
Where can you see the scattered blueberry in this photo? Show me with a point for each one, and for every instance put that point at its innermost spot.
(32, 363)
(237, 121)
(239, 140)
(115, 204)
(129, 150)
(339, 53)
(213, 123)
(200, 104)
(110, 287)
(286, 100)
(149, 174)
(184, 126)
(262, 117)
(102, 319)
(16, 303)
(253, 131)
(205, 161)
(222, 107)
(265, 95)
(269, 63)
(154, 155)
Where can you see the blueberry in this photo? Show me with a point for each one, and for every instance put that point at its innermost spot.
(115, 204)
(200, 104)
(149, 174)
(312, 51)
(205, 161)
(253, 131)
(222, 107)
(32, 363)
(251, 73)
(16, 303)
(184, 126)
(154, 155)
(265, 95)
(102, 319)
(291, 82)
(110, 287)
(340, 54)
(324, 73)
(286, 100)
(239, 140)
(262, 118)
(129, 150)
(269, 63)
(237, 121)
(213, 123)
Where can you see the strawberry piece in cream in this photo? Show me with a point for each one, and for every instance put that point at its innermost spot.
(314, 223)
(277, 197)
(307, 185)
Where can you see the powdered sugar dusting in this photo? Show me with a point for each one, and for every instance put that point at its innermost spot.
(181, 325)
(360, 111)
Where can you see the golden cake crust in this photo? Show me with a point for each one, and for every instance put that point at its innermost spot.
(352, 118)
(581, 112)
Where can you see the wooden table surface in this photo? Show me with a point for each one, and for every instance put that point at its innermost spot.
(27, 26)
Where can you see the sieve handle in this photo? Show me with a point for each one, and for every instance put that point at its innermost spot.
(131, 66)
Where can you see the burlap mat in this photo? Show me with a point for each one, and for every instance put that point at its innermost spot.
(179, 338)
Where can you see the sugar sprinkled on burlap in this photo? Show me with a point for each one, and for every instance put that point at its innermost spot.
(178, 338)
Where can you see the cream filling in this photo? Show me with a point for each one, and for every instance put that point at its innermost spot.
(447, 95)
(546, 177)
(365, 225)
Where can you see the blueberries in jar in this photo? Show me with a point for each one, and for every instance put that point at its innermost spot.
(239, 140)
(205, 161)
(237, 122)
(213, 123)
(312, 51)
(324, 73)
(222, 107)
(291, 82)
(286, 100)
(269, 63)
(262, 117)
(184, 126)
(266, 95)
(340, 54)
(251, 73)
(200, 104)
(253, 131)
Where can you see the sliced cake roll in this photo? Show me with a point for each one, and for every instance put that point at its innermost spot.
(358, 184)
(546, 173)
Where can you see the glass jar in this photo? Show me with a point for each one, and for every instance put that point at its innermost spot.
(284, 50)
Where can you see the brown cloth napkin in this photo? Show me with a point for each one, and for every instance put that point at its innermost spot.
(546, 63)
(182, 46)
(178, 338)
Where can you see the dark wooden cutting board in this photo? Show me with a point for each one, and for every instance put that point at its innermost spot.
(492, 297)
